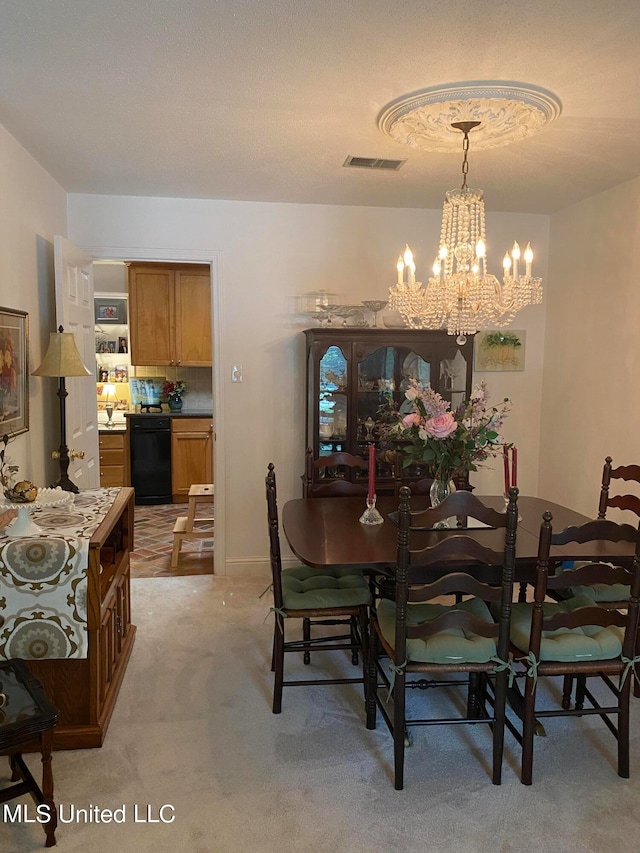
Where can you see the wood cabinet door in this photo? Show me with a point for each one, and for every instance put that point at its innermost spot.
(193, 317)
(191, 455)
(151, 316)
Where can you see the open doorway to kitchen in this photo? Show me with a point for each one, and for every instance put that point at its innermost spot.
(155, 525)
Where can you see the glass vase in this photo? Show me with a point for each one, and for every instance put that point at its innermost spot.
(439, 490)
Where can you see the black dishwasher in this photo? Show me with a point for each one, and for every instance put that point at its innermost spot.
(151, 458)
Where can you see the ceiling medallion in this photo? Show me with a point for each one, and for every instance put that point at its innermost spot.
(507, 112)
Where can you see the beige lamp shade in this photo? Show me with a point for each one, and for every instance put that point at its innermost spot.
(109, 392)
(62, 357)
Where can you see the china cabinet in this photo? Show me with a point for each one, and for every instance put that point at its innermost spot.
(170, 314)
(354, 376)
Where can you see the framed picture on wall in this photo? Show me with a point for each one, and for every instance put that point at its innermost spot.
(14, 372)
(502, 349)
(110, 310)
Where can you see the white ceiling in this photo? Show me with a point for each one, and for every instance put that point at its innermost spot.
(264, 99)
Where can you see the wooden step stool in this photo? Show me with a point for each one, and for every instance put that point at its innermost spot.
(184, 527)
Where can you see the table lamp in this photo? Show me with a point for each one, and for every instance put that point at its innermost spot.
(109, 392)
(63, 359)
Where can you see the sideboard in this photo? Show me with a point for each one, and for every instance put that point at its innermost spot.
(85, 689)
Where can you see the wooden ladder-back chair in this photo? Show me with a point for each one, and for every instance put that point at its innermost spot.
(331, 476)
(629, 473)
(318, 597)
(422, 637)
(575, 637)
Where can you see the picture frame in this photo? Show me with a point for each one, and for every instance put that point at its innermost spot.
(14, 372)
(499, 350)
(108, 310)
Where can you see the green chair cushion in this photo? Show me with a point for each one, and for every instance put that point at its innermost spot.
(450, 646)
(603, 592)
(590, 642)
(305, 588)
(600, 591)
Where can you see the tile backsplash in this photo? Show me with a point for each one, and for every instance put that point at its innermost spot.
(199, 396)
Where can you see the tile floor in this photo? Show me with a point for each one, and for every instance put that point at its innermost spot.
(153, 540)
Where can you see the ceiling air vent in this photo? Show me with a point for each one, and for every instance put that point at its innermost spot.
(373, 163)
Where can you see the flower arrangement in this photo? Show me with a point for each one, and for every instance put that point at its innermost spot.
(177, 389)
(450, 443)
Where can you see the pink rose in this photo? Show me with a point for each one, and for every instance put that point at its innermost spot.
(410, 420)
(441, 426)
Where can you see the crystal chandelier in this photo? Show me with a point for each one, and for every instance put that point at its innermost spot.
(461, 296)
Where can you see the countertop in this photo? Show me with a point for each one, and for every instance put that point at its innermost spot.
(184, 413)
(120, 418)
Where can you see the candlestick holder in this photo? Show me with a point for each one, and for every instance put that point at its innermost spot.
(371, 514)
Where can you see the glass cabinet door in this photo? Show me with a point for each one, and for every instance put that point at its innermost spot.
(332, 402)
(383, 377)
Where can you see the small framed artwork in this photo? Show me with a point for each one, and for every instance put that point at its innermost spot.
(499, 350)
(111, 346)
(110, 310)
(14, 372)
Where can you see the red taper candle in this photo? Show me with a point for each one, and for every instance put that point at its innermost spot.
(514, 467)
(372, 471)
(505, 457)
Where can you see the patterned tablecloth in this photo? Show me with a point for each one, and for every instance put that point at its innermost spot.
(43, 580)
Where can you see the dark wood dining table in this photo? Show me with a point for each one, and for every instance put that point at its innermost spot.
(326, 532)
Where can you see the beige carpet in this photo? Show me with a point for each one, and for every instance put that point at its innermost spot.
(193, 729)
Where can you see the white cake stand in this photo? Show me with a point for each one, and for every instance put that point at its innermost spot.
(24, 525)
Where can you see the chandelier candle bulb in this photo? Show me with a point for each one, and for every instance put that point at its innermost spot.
(528, 258)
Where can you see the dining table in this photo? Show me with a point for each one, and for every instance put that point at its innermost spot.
(327, 532)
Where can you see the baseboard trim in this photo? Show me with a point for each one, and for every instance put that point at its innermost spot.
(257, 567)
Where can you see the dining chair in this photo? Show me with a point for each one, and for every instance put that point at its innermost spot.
(628, 473)
(326, 597)
(575, 637)
(329, 476)
(425, 637)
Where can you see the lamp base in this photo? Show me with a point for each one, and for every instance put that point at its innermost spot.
(64, 481)
(66, 485)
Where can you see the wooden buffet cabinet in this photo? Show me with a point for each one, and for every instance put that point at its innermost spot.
(191, 455)
(85, 690)
(170, 314)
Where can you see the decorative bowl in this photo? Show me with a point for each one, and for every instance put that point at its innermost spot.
(23, 492)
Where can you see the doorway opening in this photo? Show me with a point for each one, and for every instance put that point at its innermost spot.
(104, 254)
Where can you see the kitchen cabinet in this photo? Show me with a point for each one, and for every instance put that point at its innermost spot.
(354, 374)
(112, 456)
(170, 314)
(191, 455)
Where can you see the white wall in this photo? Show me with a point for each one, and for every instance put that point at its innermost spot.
(32, 210)
(270, 253)
(592, 358)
